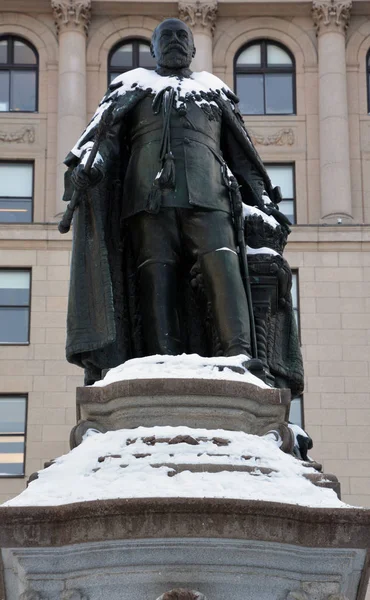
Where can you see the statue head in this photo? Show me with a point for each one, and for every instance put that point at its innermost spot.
(173, 44)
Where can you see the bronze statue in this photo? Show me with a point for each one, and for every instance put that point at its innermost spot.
(159, 264)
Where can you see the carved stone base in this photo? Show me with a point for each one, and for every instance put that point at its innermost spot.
(139, 549)
(198, 403)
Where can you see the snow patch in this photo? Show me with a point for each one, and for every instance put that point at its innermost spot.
(186, 88)
(125, 464)
(182, 366)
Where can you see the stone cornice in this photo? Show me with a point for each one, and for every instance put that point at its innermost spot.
(331, 14)
(70, 14)
(199, 15)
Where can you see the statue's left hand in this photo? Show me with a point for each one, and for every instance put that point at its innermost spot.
(82, 180)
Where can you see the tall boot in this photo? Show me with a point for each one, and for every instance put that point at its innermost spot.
(158, 299)
(225, 291)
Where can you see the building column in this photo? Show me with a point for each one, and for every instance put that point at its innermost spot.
(331, 19)
(72, 18)
(201, 17)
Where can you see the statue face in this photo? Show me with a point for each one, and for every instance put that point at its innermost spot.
(173, 44)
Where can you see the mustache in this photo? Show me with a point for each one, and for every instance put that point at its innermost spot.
(176, 46)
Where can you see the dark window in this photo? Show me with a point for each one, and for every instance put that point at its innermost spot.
(18, 75)
(129, 55)
(14, 306)
(13, 410)
(283, 175)
(265, 79)
(16, 192)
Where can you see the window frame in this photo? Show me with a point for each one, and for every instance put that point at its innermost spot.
(22, 162)
(294, 199)
(25, 396)
(136, 41)
(29, 270)
(264, 69)
(11, 66)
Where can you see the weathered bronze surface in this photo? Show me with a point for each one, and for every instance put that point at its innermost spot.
(158, 262)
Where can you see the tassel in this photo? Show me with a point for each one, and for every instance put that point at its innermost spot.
(166, 180)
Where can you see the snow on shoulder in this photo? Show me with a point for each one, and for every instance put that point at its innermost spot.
(182, 366)
(194, 88)
(176, 462)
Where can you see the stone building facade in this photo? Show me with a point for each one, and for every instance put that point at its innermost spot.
(324, 140)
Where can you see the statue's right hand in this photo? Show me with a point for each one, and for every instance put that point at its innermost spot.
(82, 180)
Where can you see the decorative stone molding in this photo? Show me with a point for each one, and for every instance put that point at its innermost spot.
(331, 13)
(199, 15)
(23, 135)
(283, 137)
(72, 13)
(182, 594)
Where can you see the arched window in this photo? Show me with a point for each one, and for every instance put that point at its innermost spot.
(18, 75)
(129, 55)
(265, 79)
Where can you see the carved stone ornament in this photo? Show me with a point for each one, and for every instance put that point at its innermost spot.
(199, 15)
(283, 137)
(23, 135)
(182, 594)
(73, 595)
(331, 13)
(75, 13)
(312, 590)
(32, 595)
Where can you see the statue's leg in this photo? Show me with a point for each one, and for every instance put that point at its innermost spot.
(158, 300)
(225, 291)
(155, 242)
(210, 238)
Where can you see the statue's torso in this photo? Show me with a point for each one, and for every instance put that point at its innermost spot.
(195, 144)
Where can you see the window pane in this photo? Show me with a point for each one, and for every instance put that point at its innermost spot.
(250, 92)
(15, 211)
(3, 51)
(13, 325)
(145, 58)
(282, 175)
(250, 56)
(16, 180)
(296, 412)
(12, 414)
(23, 90)
(122, 57)
(12, 453)
(14, 288)
(279, 94)
(277, 56)
(4, 91)
(23, 54)
(287, 207)
(294, 291)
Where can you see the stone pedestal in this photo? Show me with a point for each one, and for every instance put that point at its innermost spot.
(223, 546)
(226, 549)
(198, 403)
